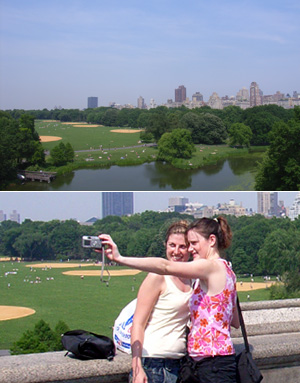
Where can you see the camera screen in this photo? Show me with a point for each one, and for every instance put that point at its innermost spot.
(87, 242)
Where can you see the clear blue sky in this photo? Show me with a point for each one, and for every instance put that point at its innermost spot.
(59, 52)
(45, 206)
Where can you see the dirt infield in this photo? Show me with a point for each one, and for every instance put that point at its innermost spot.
(49, 138)
(60, 265)
(87, 126)
(248, 286)
(126, 130)
(14, 312)
(97, 273)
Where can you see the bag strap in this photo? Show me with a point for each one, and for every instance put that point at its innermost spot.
(242, 323)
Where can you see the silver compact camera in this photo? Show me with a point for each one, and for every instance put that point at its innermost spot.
(91, 242)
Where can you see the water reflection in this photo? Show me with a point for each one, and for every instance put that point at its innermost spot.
(232, 174)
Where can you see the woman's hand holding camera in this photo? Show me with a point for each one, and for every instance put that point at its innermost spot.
(111, 249)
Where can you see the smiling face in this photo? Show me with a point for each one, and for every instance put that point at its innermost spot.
(177, 248)
(199, 246)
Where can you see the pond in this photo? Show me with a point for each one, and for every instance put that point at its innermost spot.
(236, 173)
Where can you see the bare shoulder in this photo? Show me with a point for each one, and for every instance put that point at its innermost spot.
(153, 280)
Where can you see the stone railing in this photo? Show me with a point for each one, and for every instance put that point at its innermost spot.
(273, 332)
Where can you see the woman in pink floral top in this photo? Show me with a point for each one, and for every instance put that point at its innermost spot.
(213, 302)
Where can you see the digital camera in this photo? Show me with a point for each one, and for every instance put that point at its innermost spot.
(91, 242)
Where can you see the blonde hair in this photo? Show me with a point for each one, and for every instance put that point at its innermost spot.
(178, 227)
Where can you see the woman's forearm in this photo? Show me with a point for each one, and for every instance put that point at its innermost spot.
(151, 264)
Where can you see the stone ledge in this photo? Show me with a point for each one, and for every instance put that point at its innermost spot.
(273, 329)
(274, 352)
(55, 367)
(270, 317)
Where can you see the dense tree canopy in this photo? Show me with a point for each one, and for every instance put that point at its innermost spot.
(240, 135)
(280, 168)
(177, 144)
(62, 154)
(260, 246)
(19, 144)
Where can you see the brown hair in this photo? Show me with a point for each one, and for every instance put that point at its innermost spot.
(216, 226)
(178, 227)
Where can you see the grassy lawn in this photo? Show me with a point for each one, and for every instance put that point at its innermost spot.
(91, 137)
(87, 137)
(81, 303)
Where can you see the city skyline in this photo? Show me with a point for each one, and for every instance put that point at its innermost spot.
(59, 53)
(47, 206)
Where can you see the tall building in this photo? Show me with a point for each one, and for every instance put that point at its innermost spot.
(141, 103)
(14, 216)
(197, 97)
(294, 211)
(2, 216)
(178, 203)
(117, 203)
(267, 204)
(243, 94)
(255, 95)
(180, 94)
(92, 102)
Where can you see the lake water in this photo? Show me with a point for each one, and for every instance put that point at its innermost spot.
(233, 174)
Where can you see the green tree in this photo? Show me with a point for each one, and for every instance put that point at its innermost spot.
(240, 134)
(65, 240)
(41, 339)
(278, 253)
(32, 245)
(177, 144)
(157, 123)
(205, 128)
(8, 147)
(69, 152)
(62, 154)
(280, 168)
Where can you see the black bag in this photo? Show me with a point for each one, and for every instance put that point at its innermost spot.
(247, 370)
(187, 371)
(87, 345)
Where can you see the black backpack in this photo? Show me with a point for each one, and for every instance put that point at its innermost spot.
(87, 345)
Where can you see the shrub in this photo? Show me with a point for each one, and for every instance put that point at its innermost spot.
(40, 339)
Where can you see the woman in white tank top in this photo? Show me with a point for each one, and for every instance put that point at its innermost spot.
(158, 337)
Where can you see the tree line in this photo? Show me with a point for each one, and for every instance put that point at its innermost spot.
(20, 147)
(177, 131)
(260, 246)
(207, 125)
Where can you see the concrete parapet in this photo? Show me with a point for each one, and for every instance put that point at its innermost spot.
(275, 347)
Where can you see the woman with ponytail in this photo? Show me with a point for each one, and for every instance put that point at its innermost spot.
(213, 303)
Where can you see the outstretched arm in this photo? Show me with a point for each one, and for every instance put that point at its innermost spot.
(195, 269)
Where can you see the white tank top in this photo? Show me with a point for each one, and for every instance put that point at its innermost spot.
(165, 334)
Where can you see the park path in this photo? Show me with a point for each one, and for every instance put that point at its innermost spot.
(123, 147)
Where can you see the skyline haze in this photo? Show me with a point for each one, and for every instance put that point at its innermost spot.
(59, 53)
(47, 206)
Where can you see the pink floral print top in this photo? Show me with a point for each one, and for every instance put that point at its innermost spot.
(210, 319)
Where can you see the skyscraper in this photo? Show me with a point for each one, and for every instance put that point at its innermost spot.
(141, 103)
(267, 203)
(117, 203)
(14, 216)
(295, 209)
(92, 102)
(255, 95)
(180, 94)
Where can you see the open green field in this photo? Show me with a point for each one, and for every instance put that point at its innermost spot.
(81, 303)
(92, 137)
(85, 137)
